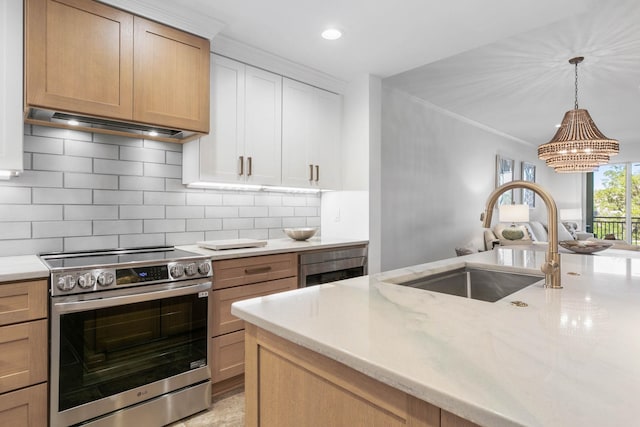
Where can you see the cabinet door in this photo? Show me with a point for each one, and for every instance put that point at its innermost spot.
(23, 301)
(79, 57)
(11, 129)
(23, 348)
(24, 408)
(220, 152)
(227, 358)
(263, 126)
(297, 133)
(326, 149)
(171, 77)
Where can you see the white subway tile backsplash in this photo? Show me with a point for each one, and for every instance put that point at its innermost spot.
(174, 158)
(11, 195)
(184, 238)
(141, 183)
(200, 224)
(185, 212)
(30, 212)
(40, 144)
(88, 180)
(140, 240)
(204, 199)
(133, 226)
(252, 211)
(220, 212)
(90, 149)
(51, 132)
(280, 211)
(115, 197)
(30, 178)
(29, 246)
(237, 223)
(160, 170)
(231, 199)
(164, 225)
(61, 196)
(26, 161)
(61, 228)
(141, 212)
(15, 230)
(51, 162)
(90, 191)
(142, 154)
(89, 243)
(72, 213)
(162, 198)
(117, 167)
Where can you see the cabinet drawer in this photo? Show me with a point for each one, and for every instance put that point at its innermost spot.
(24, 355)
(222, 321)
(24, 408)
(227, 358)
(23, 301)
(242, 271)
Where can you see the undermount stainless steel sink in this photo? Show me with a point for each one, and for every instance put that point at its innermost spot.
(479, 284)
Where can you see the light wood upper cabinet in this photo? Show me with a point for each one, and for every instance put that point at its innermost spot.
(171, 77)
(87, 58)
(79, 57)
(244, 145)
(311, 120)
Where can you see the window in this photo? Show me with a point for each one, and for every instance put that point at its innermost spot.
(614, 202)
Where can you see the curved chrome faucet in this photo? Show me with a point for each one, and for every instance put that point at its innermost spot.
(551, 266)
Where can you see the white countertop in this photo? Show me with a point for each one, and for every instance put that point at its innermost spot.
(22, 268)
(276, 246)
(571, 358)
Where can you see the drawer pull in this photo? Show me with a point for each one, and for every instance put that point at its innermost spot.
(257, 270)
(241, 159)
(310, 172)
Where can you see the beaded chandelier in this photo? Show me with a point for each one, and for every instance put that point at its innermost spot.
(578, 145)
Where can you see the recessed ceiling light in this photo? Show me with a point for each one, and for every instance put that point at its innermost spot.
(331, 34)
(558, 125)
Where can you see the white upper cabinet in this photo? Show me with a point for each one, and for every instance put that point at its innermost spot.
(244, 145)
(11, 110)
(311, 120)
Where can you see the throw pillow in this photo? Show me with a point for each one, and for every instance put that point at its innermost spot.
(539, 231)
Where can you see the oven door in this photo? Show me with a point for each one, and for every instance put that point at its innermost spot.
(113, 349)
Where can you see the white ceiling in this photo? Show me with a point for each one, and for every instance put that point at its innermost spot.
(502, 63)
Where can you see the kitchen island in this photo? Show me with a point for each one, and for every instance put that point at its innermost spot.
(567, 358)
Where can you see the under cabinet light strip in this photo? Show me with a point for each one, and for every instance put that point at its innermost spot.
(249, 187)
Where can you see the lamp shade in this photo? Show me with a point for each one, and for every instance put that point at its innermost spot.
(514, 213)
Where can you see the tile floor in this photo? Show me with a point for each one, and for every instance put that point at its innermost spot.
(227, 410)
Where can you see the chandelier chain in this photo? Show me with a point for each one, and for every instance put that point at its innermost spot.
(576, 102)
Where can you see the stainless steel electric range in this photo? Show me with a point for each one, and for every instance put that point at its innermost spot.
(128, 336)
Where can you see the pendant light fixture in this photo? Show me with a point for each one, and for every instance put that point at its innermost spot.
(578, 145)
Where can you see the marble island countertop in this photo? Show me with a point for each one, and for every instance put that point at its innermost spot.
(569, 358)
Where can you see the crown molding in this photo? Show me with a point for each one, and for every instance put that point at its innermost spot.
(172, 14)
(225, 46)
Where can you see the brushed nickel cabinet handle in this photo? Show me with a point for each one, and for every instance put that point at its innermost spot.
(310, 172)
(257, 270)
(317, 173)
(241, 165)
(250, 165)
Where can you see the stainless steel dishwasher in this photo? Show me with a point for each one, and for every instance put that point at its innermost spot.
(329, 265)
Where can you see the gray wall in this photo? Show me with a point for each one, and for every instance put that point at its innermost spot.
(85, 191)
(437, 170)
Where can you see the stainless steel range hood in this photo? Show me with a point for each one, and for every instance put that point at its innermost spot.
(44, 117)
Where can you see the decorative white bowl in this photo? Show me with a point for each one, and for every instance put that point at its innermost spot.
(585, 246)
(300, 233)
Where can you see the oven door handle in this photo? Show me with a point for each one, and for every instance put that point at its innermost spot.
(102, 302)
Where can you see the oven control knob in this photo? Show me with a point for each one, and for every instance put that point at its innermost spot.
(177, 270)
(191, 269)
(105, 278)
(204, 268)
(86, 281)
(66, 283)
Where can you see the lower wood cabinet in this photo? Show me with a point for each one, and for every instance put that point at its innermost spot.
(26, 407)
(235, 280)
(289, 385)
(23, 353)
